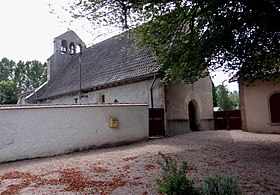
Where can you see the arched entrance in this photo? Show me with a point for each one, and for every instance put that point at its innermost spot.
(192, 116)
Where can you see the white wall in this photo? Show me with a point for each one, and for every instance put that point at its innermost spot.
(178, 96)
(38, 131)
(255, 107)
(128, 93)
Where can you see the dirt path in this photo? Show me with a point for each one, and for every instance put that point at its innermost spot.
(253, 158)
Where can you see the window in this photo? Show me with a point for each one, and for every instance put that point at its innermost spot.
(79, 48)
(72, 48)
(102, 98)
(274, 103)
(63, 48)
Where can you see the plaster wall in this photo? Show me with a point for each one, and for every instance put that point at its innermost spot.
(178, 96)
(128, 93)
(255, 109)
(39, 131)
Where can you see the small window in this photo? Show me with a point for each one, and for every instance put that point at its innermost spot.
(72, 48)
(63, 48)
(79, 48)
(102, 98)
(274, 103)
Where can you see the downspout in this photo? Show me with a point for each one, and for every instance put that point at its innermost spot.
(80, 76)
(151, 92)
(80, 79)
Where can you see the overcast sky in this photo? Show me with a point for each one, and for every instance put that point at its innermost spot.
(28, 28)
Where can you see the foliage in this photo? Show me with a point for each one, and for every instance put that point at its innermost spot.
(220, 184)
(191, 36)
(8, 92)
(6, 69)
(116, 13)
(225, 99)
(173, 180)
(26, 75)
(18, 77)
(214, 95)
(30, 74)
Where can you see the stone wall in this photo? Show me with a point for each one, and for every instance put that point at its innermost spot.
(178, 96)
(128, 93)
(39, 131)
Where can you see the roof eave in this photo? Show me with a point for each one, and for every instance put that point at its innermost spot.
(104, 86)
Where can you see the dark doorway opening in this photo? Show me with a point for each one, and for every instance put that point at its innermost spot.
(156, 122)
(192, 116)
(274, 102)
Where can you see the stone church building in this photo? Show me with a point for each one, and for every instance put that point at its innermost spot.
(116, 71)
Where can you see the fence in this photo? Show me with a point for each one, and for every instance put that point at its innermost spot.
(228, 119)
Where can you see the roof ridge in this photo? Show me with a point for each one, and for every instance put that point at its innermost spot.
(113, 60)
(109, 39)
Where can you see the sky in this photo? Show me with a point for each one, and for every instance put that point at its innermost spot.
(29, 27)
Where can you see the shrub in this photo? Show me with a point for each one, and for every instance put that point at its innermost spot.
(173, 180)
(220, 184)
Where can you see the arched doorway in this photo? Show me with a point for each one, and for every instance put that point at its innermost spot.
(192, 116)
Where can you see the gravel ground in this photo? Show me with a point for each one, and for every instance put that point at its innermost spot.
(253, 158)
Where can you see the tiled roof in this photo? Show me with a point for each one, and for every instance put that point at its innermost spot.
(114, 60)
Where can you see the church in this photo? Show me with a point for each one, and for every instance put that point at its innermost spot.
(117, 71)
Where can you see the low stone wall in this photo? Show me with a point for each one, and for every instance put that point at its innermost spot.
(39, 131)
(182, 126)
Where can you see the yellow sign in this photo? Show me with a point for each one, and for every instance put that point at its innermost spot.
(114, 122)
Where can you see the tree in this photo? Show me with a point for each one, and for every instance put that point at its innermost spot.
(116, 13)
(191, 37)
(30, 74)
(226, 100)
(18, 77)
(6, 69)
(234, 97)
(8, 92)
(26, 75)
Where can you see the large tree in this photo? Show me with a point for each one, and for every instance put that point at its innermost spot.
(26, 75)
(19, 77)
(30, 74)
(191, 36)
(225, 99)
(8, 92)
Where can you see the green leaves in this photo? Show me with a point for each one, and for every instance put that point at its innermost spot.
(221, 184)
(173, 180)
(192, 37)
(225, 99)
(200, 35)
(20, 76)
(8, 92)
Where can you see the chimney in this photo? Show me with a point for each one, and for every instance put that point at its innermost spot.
(65, 46)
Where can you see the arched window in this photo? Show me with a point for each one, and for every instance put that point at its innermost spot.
(274, 103)
(63, 48)
(72, 48)
(101, 98)
(79, 48)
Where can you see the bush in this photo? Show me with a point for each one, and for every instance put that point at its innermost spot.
(220, 184)
(173, 180)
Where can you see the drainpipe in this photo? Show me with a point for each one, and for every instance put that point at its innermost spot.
(151, 92)
(80, 75)
(80, 79)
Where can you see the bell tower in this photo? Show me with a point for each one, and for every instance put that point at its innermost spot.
(65, 47)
